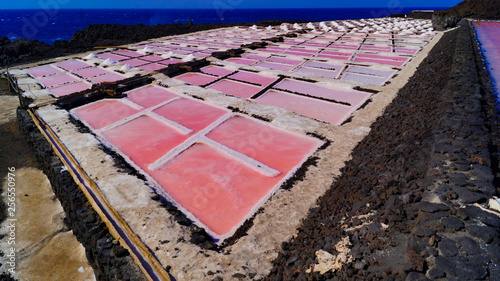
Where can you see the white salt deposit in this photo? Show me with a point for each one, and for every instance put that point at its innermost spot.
(91, 56)
(126, 67)
(109, 61)
(167, 55)
(189, 57)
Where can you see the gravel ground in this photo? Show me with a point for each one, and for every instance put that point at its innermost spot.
(409, 202)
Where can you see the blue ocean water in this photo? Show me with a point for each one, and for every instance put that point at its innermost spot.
(49, 25)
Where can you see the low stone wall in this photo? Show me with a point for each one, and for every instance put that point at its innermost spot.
(109, 260)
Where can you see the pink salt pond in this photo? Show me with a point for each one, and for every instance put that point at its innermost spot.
(388, 60)
(352, 97)
(72, 64)
(149, 96)
(333, 74)
(219, 189)
(90, 72)
(276, 66)
(216, 70)
(152, 67)
(285, 60)
(318, 109)
(195, 78)
(43, 70)
(235, 88)
(254, 78)
(70, 88)
(105, 112)
(114, 57)
(134, 62)
(111, 77)
(63, 78)
(128, 53)
(144, 139)
(192, 114)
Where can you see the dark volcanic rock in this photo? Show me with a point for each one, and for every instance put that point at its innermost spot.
(460, 267)
(478, 9)
(22, 50)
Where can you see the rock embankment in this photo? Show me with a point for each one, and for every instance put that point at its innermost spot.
(477, 9)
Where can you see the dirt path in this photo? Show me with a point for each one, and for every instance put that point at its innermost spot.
(45, 249)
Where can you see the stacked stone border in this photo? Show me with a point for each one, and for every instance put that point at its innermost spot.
(109, 260)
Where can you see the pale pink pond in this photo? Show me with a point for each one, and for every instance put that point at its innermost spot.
(134, 62)
(388, 60)
(235, 88)
(217, 189)
(105, 112)
(253, 56)
(192, 114)
(72, 64)
(277, 149)
(170, 61)
(371, 71)
(90, 72)
(70, 88)
(144, 139)
(376, 48)
(220, 190)
(216, 70)
(285, 60)
(196, 78)
(128, 53)
(253, 78)
(355, 98)
(366, 79)
(324, 65)
(43, 70)
(402, 50)
(112, 56)
(49, 81)
(152, 67)
(276, 66)
(299, 53)
(321, 110)
(343, 46)
(242, 61)
(152, 58)
(150, 95)
(333, 74)
(111, 77)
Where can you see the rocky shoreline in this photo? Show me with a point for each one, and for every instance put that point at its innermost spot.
(409, 208)
(99, 35)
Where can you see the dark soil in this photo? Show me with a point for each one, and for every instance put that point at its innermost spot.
(99, 35)
(436, 119)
